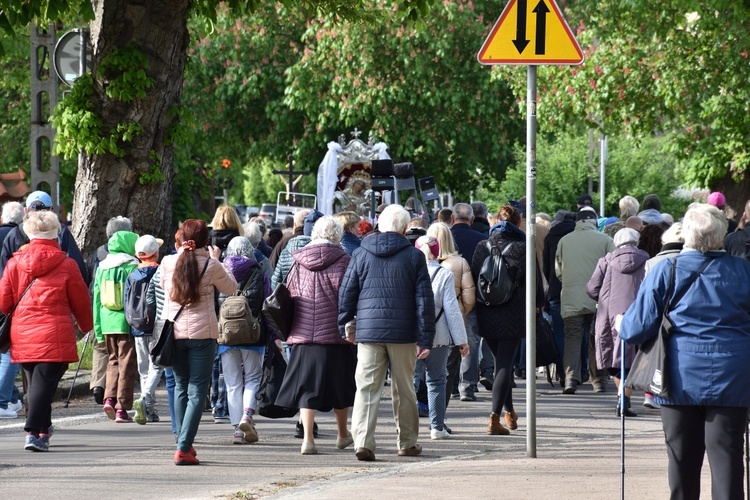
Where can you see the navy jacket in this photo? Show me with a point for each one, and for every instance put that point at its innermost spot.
(467, 240)
(349, 242)
(387, 286)
(16, 238)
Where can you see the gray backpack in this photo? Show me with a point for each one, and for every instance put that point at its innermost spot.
(237, 323)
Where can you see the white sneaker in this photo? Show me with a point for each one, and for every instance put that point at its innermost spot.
(15, 406)
(8, 413)
(436, 434)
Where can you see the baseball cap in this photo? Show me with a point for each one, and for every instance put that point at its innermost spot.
(717, 199)
(39, 200)
(586, 213)
(585, 199)
(147, 245)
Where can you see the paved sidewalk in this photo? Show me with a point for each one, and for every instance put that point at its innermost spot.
(578, 457)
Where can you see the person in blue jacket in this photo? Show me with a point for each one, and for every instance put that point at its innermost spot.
(707, 355)
(387, 287)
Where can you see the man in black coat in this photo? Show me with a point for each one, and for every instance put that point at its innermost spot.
(736, 243)
(387, 287)
(481, 216)
(472, 370)
(39, 200)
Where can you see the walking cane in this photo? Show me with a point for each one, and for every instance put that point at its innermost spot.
(622, 419)
(83, 353)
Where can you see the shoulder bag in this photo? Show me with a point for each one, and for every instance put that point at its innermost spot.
(162, 352)
(278, 309)
(649, 371)
(5, 323)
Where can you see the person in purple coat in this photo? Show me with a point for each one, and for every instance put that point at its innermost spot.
(320, 375)
(614, 285)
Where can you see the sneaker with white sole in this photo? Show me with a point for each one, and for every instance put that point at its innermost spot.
(649, 402)
(248, 427)
(239, 437)
(8, 413)
(15, 406)
(139, 405)
(123, 417)
(109, 408)
(35, 444)
(439, 434)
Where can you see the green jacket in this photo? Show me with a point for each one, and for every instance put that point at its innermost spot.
(109, 285)
(577, 255)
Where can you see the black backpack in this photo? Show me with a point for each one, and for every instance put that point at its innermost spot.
(137, 313)
(494, 284)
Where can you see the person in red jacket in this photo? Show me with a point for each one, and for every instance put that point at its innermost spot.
(42, 287)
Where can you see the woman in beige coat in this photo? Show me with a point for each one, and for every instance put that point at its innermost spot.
(189, 279)
(465, 289)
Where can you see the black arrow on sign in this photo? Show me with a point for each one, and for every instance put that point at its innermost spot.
(520, 42)
(541, 11)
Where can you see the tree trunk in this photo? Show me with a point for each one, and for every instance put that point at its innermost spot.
(107, 186)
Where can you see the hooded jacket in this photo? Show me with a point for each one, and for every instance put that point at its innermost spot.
(709, 345)
(575, 261)
(315, 284)
(242, 268)
(42, 328)
(387, 287)
(614, 285)
(113, 271)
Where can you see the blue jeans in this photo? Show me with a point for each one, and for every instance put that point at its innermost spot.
(170, 398)
(8, 389)
(435, 366)
(192, 375)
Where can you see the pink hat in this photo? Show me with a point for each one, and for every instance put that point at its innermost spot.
(431, 242)
(717, 199)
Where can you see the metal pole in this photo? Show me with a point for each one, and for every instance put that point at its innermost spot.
(531, 261)
(602, 165)
(622, 419)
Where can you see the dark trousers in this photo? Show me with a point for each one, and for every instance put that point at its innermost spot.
(503, 350)
(454, 366)
(690, 432)
(42, 380)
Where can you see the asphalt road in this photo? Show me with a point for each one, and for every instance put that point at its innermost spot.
(578, 457)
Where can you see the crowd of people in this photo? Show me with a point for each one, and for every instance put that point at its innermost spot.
(394, 304)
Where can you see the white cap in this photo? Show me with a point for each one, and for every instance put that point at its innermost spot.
(147, 245)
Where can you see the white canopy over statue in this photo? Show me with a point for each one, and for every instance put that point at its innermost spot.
(344, 170)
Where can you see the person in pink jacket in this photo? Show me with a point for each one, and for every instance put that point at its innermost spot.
(321, 368)
(45, 287)
(189, 278)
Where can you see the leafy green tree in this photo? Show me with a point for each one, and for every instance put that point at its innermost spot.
(675, 67)
(123, 114)
(634, 168)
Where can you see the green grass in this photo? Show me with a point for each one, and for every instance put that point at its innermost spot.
(86, 364)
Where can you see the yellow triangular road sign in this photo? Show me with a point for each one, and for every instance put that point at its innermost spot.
(531, 32)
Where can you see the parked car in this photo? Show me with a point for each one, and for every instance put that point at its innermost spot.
(268, 212)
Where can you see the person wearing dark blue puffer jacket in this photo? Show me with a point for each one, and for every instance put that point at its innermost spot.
(387, 288)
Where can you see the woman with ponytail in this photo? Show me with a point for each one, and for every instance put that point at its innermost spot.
(189, 278)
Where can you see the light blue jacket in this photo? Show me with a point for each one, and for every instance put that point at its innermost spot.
(708, 353)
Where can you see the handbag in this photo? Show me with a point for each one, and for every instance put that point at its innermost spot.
(162, 352)
(278, 310)
(546, 349)
(649, 371)
(274, 369)
(5, 322)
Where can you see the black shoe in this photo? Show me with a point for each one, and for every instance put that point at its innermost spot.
(299, 430)
(486, 382)
(98, 395)
(570, 387)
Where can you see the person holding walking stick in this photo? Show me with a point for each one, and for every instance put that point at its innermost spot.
(706, 293)
(40, 288)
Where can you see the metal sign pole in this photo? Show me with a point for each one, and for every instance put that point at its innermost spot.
(531, 261)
